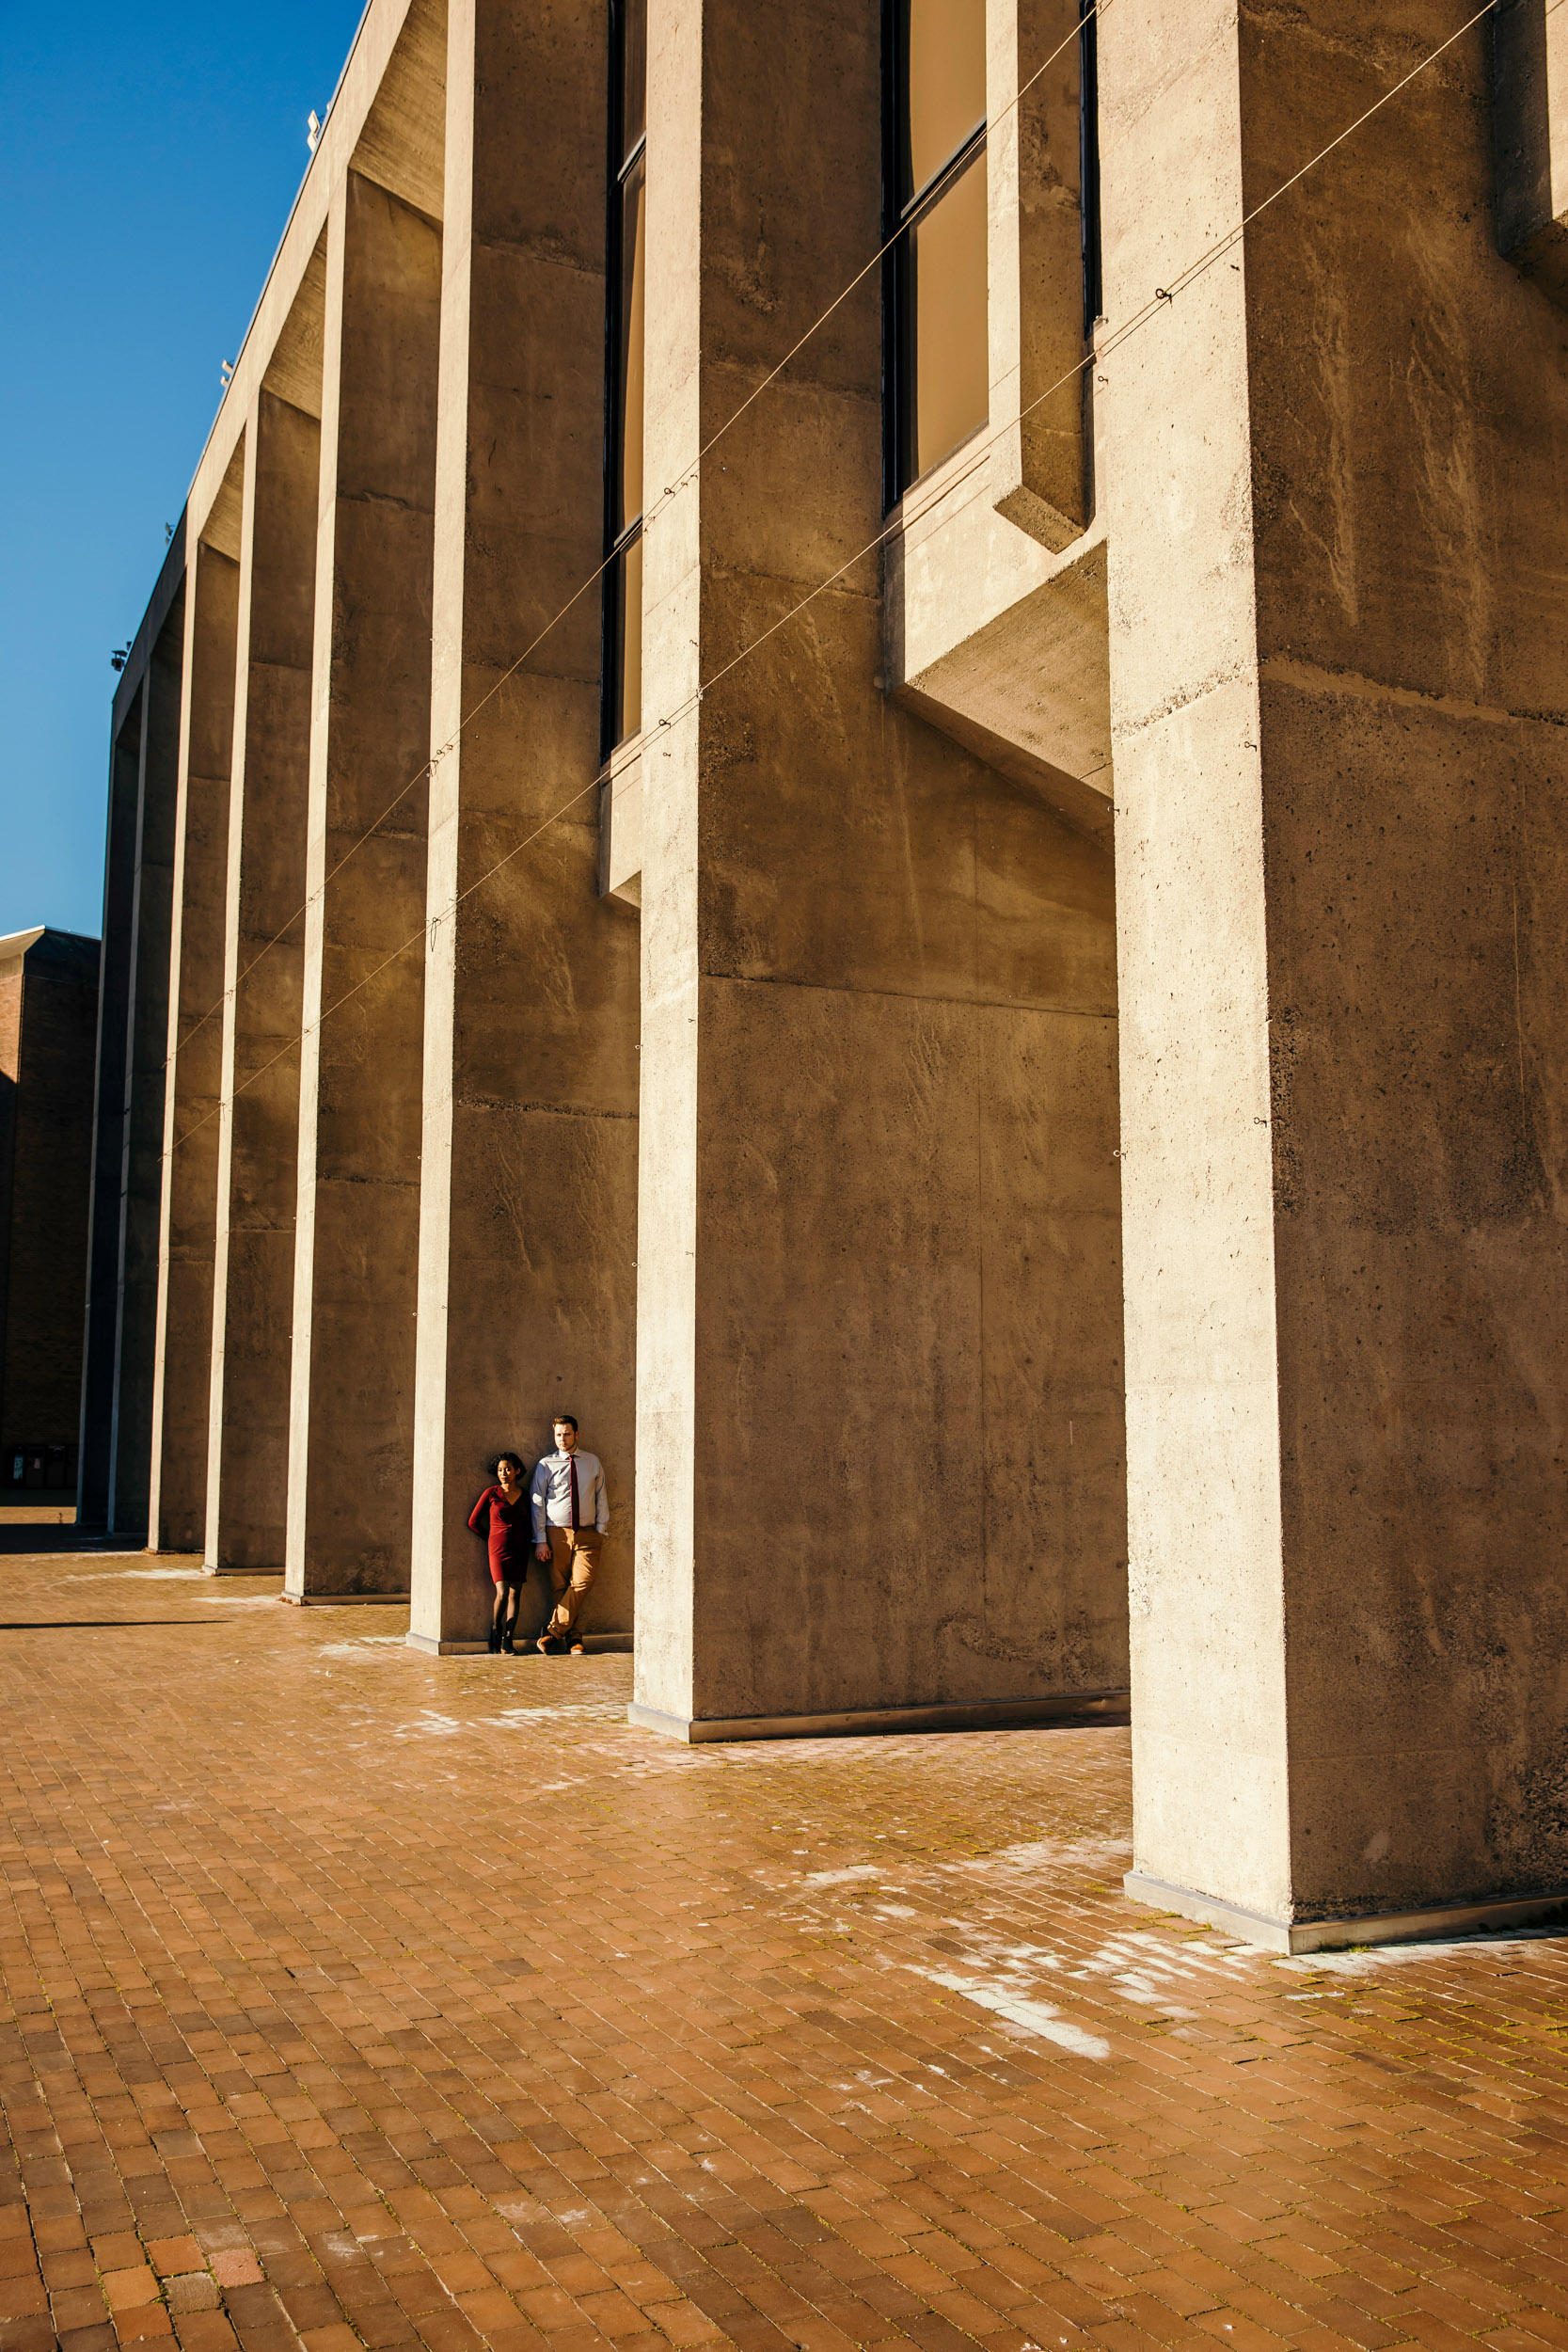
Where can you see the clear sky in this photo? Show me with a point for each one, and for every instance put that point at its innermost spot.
(152, 152)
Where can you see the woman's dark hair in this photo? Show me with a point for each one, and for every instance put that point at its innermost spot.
(509, 1453)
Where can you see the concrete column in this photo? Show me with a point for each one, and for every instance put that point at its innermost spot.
(95, 1451)
(140, 1171)
(879, 1414)
(529, 1203)
(248, 1465)
(177, 1505)
(352, 1403)
(1336, 627)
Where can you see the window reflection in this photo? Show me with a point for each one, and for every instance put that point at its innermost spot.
(950, 388)
(622, 583)
(945, 45)
(938, 359)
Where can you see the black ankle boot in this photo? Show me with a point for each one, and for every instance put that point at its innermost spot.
(506, 1643)
(495, 1639)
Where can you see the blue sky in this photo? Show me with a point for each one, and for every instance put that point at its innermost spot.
(150, 156)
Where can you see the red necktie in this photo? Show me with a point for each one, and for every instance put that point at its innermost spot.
(571, 1463)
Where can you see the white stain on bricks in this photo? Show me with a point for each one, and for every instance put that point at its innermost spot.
(1035, 2017)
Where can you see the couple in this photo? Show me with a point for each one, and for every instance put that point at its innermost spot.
(568, 1511)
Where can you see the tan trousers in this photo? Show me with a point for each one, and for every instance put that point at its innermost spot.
(574, 1560)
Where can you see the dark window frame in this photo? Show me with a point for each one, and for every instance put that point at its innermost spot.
(618, 539)
(1088, 162)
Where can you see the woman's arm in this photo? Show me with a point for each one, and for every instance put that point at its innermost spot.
(479, 1518)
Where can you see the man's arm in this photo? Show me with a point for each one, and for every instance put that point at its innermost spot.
(538, 1494)
(602, 1516)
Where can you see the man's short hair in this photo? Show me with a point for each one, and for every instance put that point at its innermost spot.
(570, 1419)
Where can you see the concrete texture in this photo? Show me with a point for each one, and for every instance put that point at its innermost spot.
(187, 1228)
(351, 1395)
(879, 1412)
(48, 1018)
(527, 1188)
(1339, 720)
(1037, 471)
(247, 1467)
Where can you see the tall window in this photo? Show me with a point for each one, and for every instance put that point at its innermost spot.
(623, 608)
(938, 360)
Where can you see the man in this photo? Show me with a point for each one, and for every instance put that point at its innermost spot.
(571, 1515)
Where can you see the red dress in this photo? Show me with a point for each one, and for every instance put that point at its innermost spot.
(509, 1526)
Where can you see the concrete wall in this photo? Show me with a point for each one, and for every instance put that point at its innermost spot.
(878, 1444)
(48, 1022)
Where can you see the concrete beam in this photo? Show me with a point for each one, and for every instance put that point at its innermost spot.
(1038, 469)
(352, 1392)
(529, 1165)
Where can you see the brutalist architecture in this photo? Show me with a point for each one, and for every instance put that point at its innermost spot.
(853, 758)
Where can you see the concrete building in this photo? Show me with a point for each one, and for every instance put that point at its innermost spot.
(48, 1009)
(853, 758)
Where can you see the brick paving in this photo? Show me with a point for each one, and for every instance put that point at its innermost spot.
(350, 1998)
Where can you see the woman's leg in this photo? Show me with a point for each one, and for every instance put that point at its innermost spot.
(496, 1616)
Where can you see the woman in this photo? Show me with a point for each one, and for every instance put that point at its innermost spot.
(503, 1513)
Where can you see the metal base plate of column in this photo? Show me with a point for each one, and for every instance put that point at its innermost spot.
(1338, 1935)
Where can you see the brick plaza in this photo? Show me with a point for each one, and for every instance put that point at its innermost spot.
(352, 1997)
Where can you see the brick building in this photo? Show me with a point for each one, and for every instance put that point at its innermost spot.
(48, 1018)
(636, 915)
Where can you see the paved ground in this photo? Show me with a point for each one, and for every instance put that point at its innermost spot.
(364, 1999)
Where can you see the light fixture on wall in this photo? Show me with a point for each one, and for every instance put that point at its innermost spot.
(312, 130)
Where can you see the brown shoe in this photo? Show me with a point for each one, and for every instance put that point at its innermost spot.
(577, 1650)
(543, 1644)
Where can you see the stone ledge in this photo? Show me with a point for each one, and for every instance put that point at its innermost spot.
(1332, 1935)
(594, 1644)
(343, 1600)
(1083, 1706)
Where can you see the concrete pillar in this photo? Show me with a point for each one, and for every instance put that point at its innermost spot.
(248, 1465)
(528, 1200)
(142, 1125)
(1338, 615)
(177, 1505)
(95, 1450)
(352, 1403)
(879, 1414)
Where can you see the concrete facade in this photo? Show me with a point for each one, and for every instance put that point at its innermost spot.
(48, 1015)
(1018, 1105)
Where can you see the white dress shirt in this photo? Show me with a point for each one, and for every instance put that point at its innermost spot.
(553, 1493)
